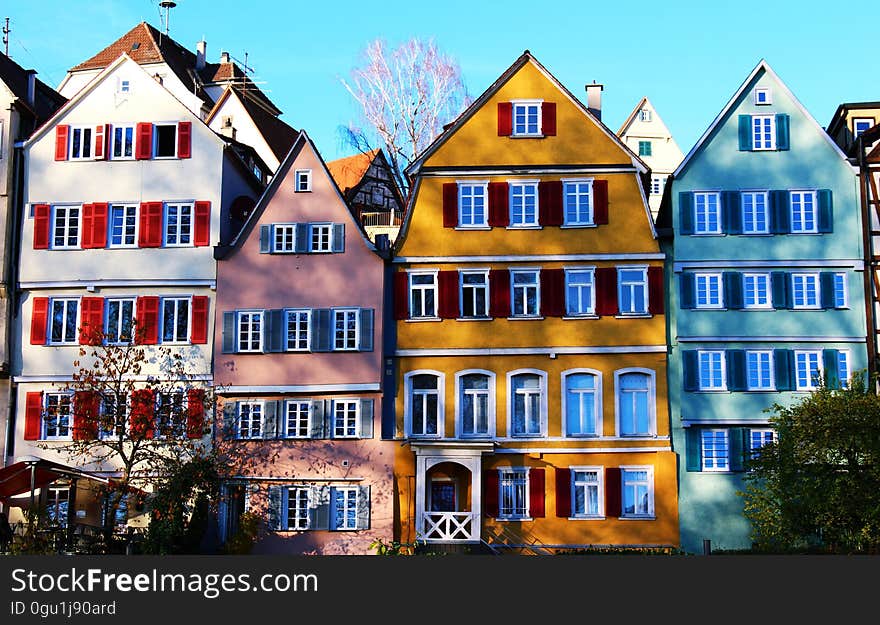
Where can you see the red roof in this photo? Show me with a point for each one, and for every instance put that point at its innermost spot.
(349, 170)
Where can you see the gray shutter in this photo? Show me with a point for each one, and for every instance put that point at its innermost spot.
(363, 508)
(322, 330)
(301, 240)
(693, 449)
(366, 330)
(230, 418)
(229, 332)
(316, 418)
(338, 237)
(270, 419)
(366, 418)
(276, 331)
(328, 418)
(320, 514)
(265, 239)
(275, 508)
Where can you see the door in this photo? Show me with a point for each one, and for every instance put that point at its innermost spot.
(443, 496)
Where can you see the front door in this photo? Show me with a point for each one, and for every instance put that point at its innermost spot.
(443, 496)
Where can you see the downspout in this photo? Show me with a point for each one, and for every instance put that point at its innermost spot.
(868, 245)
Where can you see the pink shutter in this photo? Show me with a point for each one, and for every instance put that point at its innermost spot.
(101, 139)
(147, 330)
(100, 211)
(42, 214)
(39, 320)
(199, 325)
(61, 134)
(33, 415)
(450, 205)
(195, 413)
(655, 290)
(606, 291)
(86, 239)
(184, 139)
(505, 119)
(550, 202)
(536, 493)
(548, 119)
(563, 493)
(490, 493)
(401, 295)
(150, 234)
(86, 405)
(91, 331)
(600, 202)
(143, 148)
(202, 234)
(553, 292)
(448, 287)
(499, 215)
(499, 293)
(612, 492)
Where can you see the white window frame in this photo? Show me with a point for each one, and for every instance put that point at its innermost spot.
(712, 357)
(119, 416)
(717, 463)
(840, 286)
(855, 125)
(297, 314)
(650, 491)
(422, 289)
(67, 226)
(44, 418)
(490, 403)
(298, 405)
(767, 96)
(120, 318)
(758, 355)
(523, 189)
(471, 187)
(176, 340)
(80, 128)
(599, 471)
(238, 419)
(350, 496)
(525, 288)
(796, 198)
(113, 142)
(156, 126)
(762, 434)
(645, 115)
(703, 202)
(801, 283)
(806, 353)
(579, 207)
(756, 277)
(176, 420)
(408, 402)
(652, 402)
(301, 520)
(525, 105)
(597, 402)
(66, 340)
(128, 229)
(350, 338)
(302, 180)
(322, 231)
(182, 208)
(287, 234)
(758, 128)
(590, 310)
(751, 208)
(351, 417)
(844, 374)
(708, 280)
(632, 285)
(249, 346)
(474, 288)
(505, 475)
(542, 403)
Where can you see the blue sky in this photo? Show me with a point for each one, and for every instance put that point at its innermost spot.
(687, 57)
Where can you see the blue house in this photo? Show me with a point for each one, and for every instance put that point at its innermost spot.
(763, 235)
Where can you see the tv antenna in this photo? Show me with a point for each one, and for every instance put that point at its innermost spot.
(6, 38)
(167, 5)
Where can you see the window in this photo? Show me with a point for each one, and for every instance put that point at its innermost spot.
(634, 403)
(250, 419)
(712, 373)
(644, 148)
(523, 204)
(57, 420)
(763, 132)
(474, 294)
(582, 405)
(123, 142)
(805, 290)
(298, 508)
(587, 495)
(579, 293)
(708, 287)
(861, 124)
(165, 140)
(175, 320)
(759, 370)
(476, 404)
(578, 202)
(759, 438)
(64, 322)
(645, 115)
(423, 295)
(298, 323)
(714, 455)
(345, 504)
(120, 314)
(250, 331)
(526, 118)
(754, 212)
(472, 204)
(123, 225)
(658, 183)
(756, 290)
(803, 211)
(843, 372)
(57, 506)
(296, 420)
(762, 96)
(632, 291)
(524, 285)
(527, 404)
(424, 404)
(303, 179)
(514, 493)
(124, 86)
(707, 213)
(114, 409)
(638, 491)
(840, 299)
(808, 369)
(81, 142)
(65, 227)
(284, 240)
(345, 329)
(345, 418)
(178, 224)
(171, 414)
(321, 238)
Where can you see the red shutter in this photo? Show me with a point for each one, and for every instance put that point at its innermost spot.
(450, 205)
(655, 290)
(147, 330)
(499, 293)
(86, 406)
(490, 493)
(536, 493)
(548, 119)
(184, 139)
(33, 415)
(143, 148)
(195, 413)
(202, 235)
(91, 331)
(150, 234)
(612, 492)
(563, 493)
(39, 320)
(199, 325)
(100, 211)
(108, 133)
(41, 226)
(553, 292)
(606, 291)
(61, 133)
(87, 229)
(101, 139)
(448, 286)
(505, 119)
(499, 196)
(142, 413)
(550, 202)
(401, 295)
(600, 202)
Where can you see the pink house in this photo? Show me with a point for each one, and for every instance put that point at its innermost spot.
(298, 369)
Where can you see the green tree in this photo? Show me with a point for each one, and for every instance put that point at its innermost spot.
(817, 486)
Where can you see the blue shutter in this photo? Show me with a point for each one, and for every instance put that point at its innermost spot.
(366, 418)
(322, 330)
(731, 212)
(690, 366)
(693, 449)
(782, 131)
(366, 330)
(316, 419)
(780, 209)
(780, 289)
(686, 212)
(733, 290)
(826, 212)
(275, 508)
(736, 370)
(363, 508)
(830, 364)
(301, 238)
(736, 445)
(338, 238)
(270, 419)
(229, 332)
(826, 289)
(265, 239)
(783, 363)
(687, 291)
(745, 133)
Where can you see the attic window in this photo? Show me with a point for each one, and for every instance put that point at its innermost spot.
(135, 45)
(645, 115)
(762, 96)
(303, 179)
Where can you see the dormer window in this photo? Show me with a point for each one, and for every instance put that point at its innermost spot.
(861, 124)
(762, 96)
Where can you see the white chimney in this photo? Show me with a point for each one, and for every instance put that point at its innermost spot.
(32, 86)
(594, 99)
(224, 57)
(201, 49)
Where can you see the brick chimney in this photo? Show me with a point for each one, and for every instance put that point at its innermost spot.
(201, 49)
(594, 99)
(224, 57)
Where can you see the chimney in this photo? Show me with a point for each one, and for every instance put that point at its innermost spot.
(32, 86)
(594, 99)
(224, 57)
(201, 49)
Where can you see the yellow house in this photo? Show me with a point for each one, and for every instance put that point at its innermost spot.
(531, 354)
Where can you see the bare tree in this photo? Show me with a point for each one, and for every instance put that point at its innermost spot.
(406, 95)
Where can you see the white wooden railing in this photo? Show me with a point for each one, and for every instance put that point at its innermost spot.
(450, 527)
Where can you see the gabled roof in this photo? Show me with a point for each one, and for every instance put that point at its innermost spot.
(46, 99)
(632, 116)
(710, 131)
(839, 117)
(478, 103)
(348, 171)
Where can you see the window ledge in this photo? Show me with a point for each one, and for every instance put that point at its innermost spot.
(634, 316)
(712, 390)
(478, 228)
(514, 518)
(524, 318)
(576, 317)
(422, 319)
(637, 518)
(474, 319)
(587, 518)
(760, 390)
(574, 226)
(708, 234)
(710, 308)
(540, 136)
(525, 227)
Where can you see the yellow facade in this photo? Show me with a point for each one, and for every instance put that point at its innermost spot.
(446, 468)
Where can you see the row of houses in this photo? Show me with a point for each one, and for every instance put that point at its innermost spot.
(565, 337)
